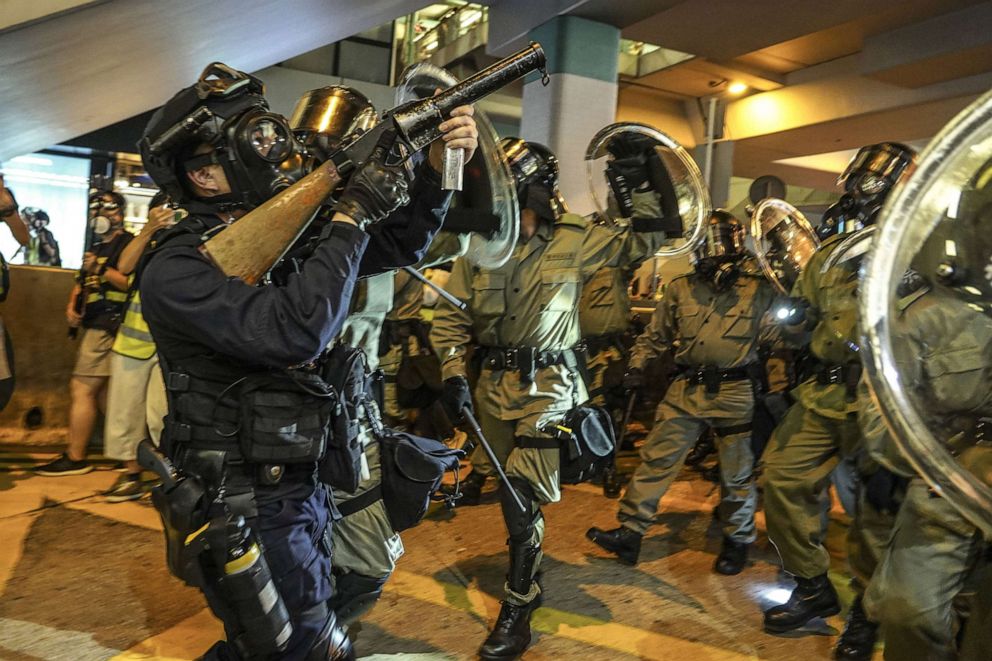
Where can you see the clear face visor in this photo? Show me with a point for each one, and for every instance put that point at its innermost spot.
(875, 169)
(722, 241)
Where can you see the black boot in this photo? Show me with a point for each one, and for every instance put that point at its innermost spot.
(471, 489)
(622, 541)
(511, 633)
(732, 558)
(354, 595)
(813, 597)
(858, 640)
(702, 449)
(612, 483)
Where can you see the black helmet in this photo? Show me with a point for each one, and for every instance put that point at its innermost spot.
(535, 170)
(868, 179)
(226, 109)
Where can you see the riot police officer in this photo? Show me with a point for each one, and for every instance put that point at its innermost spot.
(937, 336)
(821, 428)
(524, 317)
(249, 524)
(713, 320)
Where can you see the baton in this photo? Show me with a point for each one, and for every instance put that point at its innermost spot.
(474, 424)
(627, 413)
(611, 488)
(436, 287)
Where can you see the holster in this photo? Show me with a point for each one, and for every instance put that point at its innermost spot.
(183, 510)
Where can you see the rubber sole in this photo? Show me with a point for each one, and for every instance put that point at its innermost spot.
(823, 614)
(75, 471)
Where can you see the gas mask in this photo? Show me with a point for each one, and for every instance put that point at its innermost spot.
(535, 171)
(723, 246)
(259, 155)
(101, 212)
(226, 109)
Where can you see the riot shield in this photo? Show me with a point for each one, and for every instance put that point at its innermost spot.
(487, 204)
(648, 174)
(925, 308)
(783, 240)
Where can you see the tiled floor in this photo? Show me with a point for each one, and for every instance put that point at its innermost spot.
(82, 579)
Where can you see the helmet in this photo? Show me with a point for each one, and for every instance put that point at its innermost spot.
(325, 116)
(868, 179)
(722, 248)
(227, 110)
(535, 170)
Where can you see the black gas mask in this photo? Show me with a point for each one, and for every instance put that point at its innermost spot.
(258, 153)
(227, 111)
(535, 170)
(718, 258)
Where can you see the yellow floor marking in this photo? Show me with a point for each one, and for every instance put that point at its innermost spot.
(190, 638)
(563, 624)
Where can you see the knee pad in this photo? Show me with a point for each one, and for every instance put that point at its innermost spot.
(519, 523)
(332, 644)
(354, 595)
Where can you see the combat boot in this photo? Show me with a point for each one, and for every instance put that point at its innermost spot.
(622, 541)
(700, 451)
(858, 640)
(471, 489)
(813, 597)
(732, 558)
(511, 634)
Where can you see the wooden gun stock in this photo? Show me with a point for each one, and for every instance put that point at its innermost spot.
(249, 248)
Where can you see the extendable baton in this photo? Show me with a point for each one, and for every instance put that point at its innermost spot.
(474, 424)
(436, 287)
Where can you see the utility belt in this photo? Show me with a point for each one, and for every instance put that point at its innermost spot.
(848, 375)
(595, 344)
(274, 420)
(712, 377)
(525, 360)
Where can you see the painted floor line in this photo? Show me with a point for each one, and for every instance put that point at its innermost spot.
(571, 626)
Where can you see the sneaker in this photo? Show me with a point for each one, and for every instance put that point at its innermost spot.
(63, 466)
(125, 488)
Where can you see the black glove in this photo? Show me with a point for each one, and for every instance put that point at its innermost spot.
(456, 396)
(373, 193)
(882, 490)
(633, 379)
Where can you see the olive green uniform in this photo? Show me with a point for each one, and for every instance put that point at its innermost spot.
(532, 301)
(933, 547)
(703, 327)
(604, 317)
(819, 430)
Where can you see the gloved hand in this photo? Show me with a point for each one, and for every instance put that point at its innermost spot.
(634, 379)
(455, 396)
(373, 193)
(882, 489)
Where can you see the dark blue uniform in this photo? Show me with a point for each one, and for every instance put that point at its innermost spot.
(198, 315)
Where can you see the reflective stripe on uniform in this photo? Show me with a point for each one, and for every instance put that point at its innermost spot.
(134, 339)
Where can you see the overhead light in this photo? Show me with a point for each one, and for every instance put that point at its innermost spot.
(736, 88)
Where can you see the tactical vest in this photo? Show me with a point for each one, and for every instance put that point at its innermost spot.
(134, 339)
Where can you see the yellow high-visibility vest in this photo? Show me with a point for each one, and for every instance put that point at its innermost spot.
(133, 337)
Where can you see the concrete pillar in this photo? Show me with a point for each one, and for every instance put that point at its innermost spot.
(580, 99)
(721, 170)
